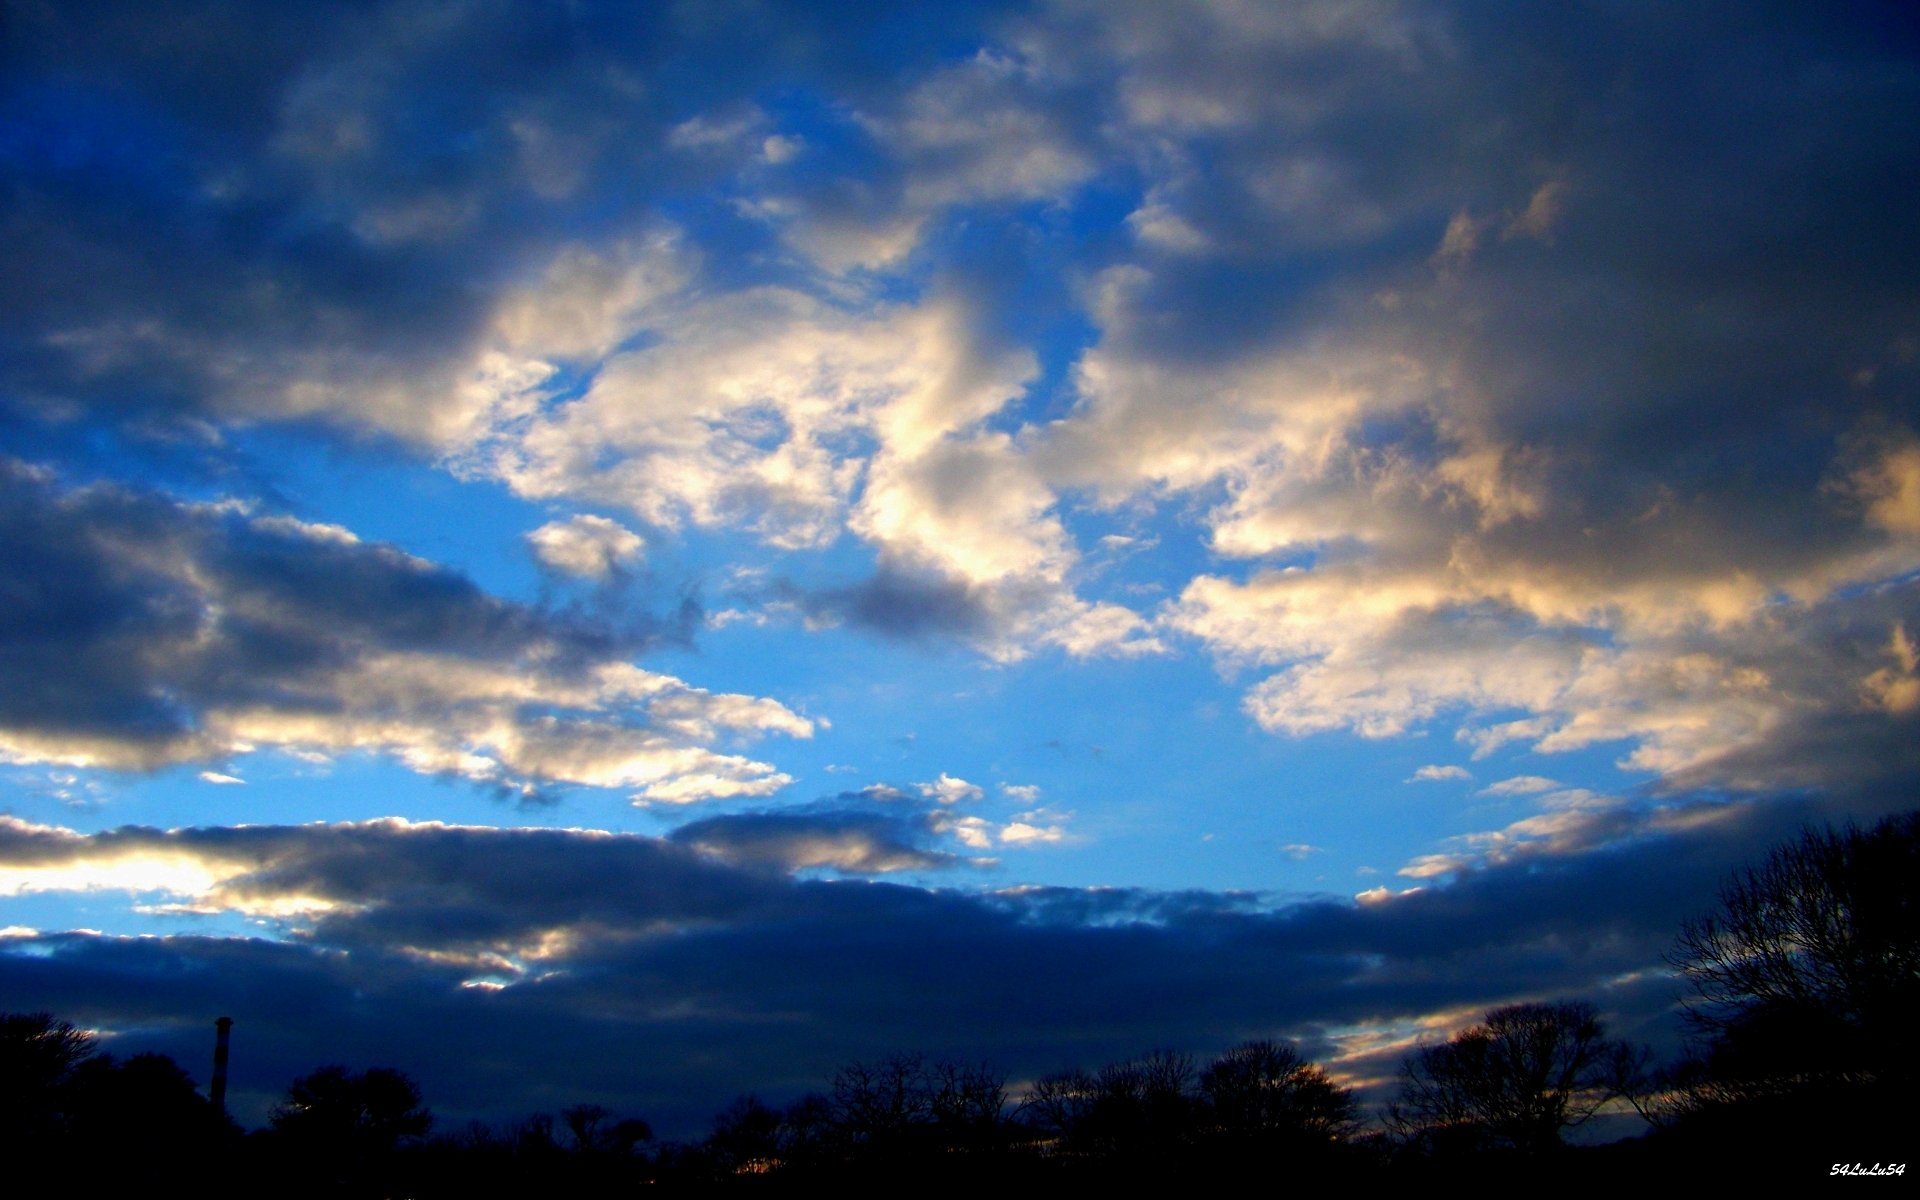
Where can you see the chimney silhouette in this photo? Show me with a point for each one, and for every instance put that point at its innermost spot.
(217, 1090)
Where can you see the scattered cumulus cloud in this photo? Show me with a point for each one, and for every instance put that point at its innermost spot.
(590, 546)
(949, 789)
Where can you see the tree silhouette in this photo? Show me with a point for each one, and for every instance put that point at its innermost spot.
(1515, 1081)
(746, 1139)
(968, 1103)
(1265, 1092)
(38, 1057)
(147, 1108)
(876, 1102)
(368, 1112)
(595, 1131)
(1143, 1107)
(1810, 964)
(341, 1129)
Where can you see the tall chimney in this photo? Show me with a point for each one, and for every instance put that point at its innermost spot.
(217, 1090)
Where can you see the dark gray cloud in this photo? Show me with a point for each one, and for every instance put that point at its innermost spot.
(897, 604)
(647, 975)
(852, 834)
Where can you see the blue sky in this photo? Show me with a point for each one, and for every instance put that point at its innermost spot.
(767, 534)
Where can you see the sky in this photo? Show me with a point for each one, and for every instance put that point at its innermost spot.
(632, 554)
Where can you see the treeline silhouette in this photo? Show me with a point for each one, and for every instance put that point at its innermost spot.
(1804, 980)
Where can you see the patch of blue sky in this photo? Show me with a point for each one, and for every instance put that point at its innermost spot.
(1133, 749)
(119, 912)
(273, 788)
(473, 526)
(1141, 553)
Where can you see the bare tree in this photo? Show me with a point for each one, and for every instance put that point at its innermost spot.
(1517, 1080)
(905, 1101)
(968, 1103)
(1263, 1091)
(1814, 954)
(1141, 1107)
(878, 1101)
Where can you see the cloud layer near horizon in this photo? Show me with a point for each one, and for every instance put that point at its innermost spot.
(657, 976)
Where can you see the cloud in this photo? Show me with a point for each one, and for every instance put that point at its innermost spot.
(1518, 424)
(876, 831)
(491, 313)
(685, 973)
(1440, 772)
(156, 632)
(1681, 700)
(1445, 380)
(1024, 833)
(898, 604)
(740, 410)
(1520, 785)
(949, 789)
(868, 832)
(733, 412)
(1438, 527)
(585, 545)
(348, 262)
(850, 841)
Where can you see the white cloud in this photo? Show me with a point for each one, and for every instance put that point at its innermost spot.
(1020, 833)
(949, 789)
(590, 297)
(1576, 825)
(978, 131)
(720, 132)
(1520, 785)
(585, 545)
(1440, 772)
(975, 833)
(738, 412)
